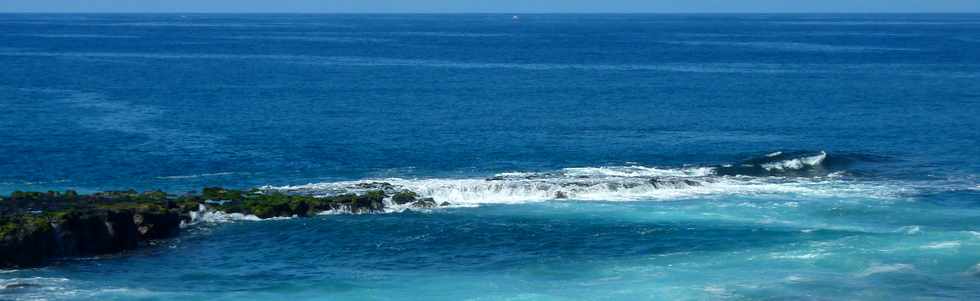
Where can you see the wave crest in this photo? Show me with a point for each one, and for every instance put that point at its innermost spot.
(796, 163)
(776, 173)
(799, 163)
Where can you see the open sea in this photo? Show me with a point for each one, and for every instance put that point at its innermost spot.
(585, 157)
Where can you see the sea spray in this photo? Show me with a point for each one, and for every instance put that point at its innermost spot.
(627, 183)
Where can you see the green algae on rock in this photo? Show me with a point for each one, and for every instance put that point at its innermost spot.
(38, 226)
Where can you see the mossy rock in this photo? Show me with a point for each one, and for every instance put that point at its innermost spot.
(404, 197)
(299, 207)
(425, 203)
(218, 193)
(369, 202)
(35, 226)
(25, 241)
(153, 196)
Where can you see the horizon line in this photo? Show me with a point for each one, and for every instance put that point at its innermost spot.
(507, 13)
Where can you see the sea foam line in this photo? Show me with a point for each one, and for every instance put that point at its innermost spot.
(797, 163)
(603, 184)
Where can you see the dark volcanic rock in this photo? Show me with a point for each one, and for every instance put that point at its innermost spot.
(425, 203)
(83, 232)
(372, 201)
(87, 232)
(28, 246)
(36, 226)
(404, 197)
(122, 230)
(156, 224)
(665, 183)
(383, 186)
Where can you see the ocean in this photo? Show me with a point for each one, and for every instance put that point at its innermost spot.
(584, 157)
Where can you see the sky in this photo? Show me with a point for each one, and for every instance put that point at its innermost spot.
(491, 6)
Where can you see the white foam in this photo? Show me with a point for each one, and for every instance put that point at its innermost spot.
(34, 281)
(205, 215)
(910, 230)
(638, 171)
(885, 268)
(798, 256)
(715, 290)
(795, 278)
(797, 163)
(221, 217)
(626, 183)
(942, 245)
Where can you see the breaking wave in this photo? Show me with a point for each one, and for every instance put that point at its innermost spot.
(804, 174)
(779, 163)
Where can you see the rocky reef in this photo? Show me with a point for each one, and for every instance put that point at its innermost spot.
(36, 227)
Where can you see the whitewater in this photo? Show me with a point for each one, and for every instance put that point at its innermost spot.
(570, 157)
(620, 183)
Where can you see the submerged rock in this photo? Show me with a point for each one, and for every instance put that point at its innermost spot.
(425, 203)
(666, 183)
(372, 201)
(382, 186)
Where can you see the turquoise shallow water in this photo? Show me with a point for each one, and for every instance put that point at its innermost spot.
(738, 248)
(704, 157)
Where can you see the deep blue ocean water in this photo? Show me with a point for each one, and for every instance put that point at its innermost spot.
(834, 156)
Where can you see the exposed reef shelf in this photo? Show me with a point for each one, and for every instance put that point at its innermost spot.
(36, 227)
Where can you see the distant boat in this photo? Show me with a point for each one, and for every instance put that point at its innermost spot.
(515, 18)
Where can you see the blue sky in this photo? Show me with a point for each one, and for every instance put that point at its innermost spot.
(506, 6)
